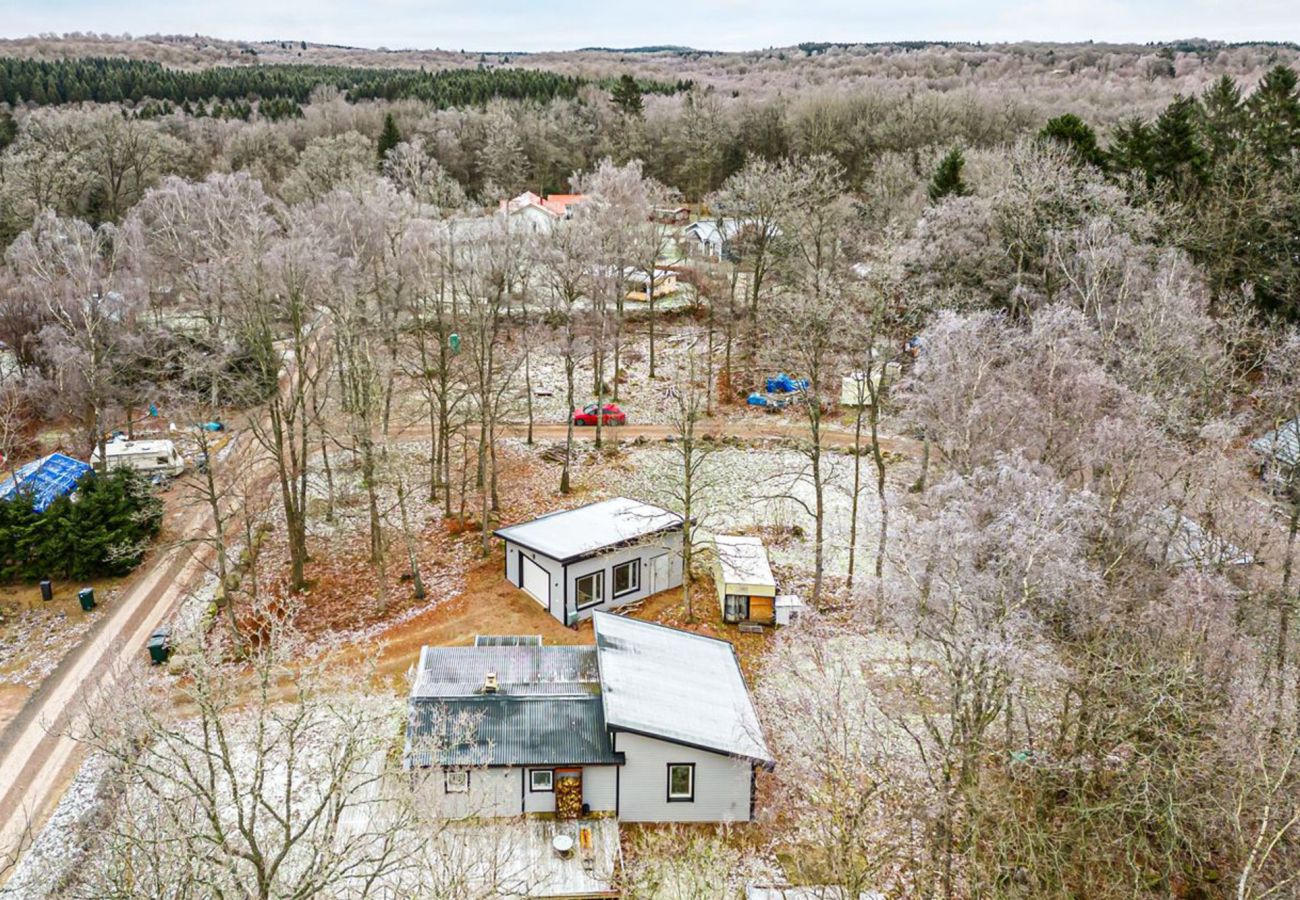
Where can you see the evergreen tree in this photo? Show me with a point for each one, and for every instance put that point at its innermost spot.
(1274, 121)
(1179, 156)
(627, 95)
(8, 129)
(947, 180)
(1077, 136)
(389, 138)
(1132, 148)
(1222, 116)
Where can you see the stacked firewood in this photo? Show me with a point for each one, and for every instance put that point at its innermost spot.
(568, 797)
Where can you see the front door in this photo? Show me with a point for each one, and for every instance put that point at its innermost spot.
(659, 569)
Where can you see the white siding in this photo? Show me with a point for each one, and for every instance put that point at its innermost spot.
(492, 793)
(537, 801)
(669, 543)
(722, 783)
(657, 545)
(552, 567)
(598, 784)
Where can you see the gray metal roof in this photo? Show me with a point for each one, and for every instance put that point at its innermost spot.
(1282, 444)
(496, 730)
(521, 671)
(575, 533)
(676, 685)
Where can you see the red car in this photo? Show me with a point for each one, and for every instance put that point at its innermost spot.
(587, 416)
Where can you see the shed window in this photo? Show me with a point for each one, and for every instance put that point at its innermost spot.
(681, 782)
(591, 590)
(627, 578)
(456, 782)
(541, 780)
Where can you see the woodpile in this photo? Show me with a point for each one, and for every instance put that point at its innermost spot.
(568, 796)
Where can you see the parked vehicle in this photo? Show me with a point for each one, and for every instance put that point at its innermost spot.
(588, 414)
(149, 457)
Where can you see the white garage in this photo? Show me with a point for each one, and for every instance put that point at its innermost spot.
(598, 556)
(536, 581)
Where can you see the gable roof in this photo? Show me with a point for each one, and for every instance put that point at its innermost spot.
(578, 533)
(743, 560)
(46, 479)
(521, 671)
(1282, 444)
(676, 685)
(509, 731)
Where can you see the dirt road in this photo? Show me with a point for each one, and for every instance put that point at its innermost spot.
(37, 756)
(832, 435)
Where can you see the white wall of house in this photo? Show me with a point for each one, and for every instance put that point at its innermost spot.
(654, 577)
(493, 793)
(722, 783)
(665, 547)
(598, 791)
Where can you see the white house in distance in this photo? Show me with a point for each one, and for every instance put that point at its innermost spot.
(599, 556)
(651, 724)
(533, 212)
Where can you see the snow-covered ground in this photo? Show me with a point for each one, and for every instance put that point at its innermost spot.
(745, 490)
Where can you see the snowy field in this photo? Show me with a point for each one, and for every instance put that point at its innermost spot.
(745, 490)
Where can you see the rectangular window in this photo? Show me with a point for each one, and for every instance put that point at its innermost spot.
(456, 782)
(627, 578)
(681, 782)
(737, 608)
(591, 590)
(541, 780)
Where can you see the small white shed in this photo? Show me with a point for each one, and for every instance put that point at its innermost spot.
(746, 586)
(854, 390)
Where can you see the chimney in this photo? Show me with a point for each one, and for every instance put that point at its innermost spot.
(490, 683)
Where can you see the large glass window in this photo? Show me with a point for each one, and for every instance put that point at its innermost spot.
(681, 782)
(627, 578)
(591, 590)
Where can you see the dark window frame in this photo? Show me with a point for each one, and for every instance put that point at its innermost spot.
(668, 789)
(446, 788)
(600, 579)
(537, 790)
(613, 578)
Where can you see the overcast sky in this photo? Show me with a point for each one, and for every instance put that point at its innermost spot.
(706, 24)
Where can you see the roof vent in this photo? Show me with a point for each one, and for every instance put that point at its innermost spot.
(490, 685)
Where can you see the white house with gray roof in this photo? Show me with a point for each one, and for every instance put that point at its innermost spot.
(1280, 449)
(652, 724)
(596, 557)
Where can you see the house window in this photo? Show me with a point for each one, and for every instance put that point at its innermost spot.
(681, 782)
(541, 780)
(456, 781)
(627, 578)
(591, 590)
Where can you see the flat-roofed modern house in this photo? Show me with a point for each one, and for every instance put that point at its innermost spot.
(599, 556)
(651, 724)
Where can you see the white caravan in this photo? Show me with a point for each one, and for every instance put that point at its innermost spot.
(146, 457)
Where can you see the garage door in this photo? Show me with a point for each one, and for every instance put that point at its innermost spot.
(536, 581)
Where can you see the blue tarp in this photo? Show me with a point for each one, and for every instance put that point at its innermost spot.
(45, 479)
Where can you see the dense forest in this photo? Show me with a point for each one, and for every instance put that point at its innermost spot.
(107, 80)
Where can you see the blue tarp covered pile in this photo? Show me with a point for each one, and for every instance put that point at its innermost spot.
(45, 479)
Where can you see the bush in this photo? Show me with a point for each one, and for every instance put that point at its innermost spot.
(103, 530)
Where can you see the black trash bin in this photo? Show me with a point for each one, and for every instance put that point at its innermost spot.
(160, 646)
(87, 598)
(47, 589)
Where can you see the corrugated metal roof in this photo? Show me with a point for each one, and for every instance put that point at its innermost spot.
(677, 685)
(1283, 444)
(509, 731)
(574, 533)
(507, 640)
(45, 479)
(743, 560)
(449, 672)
